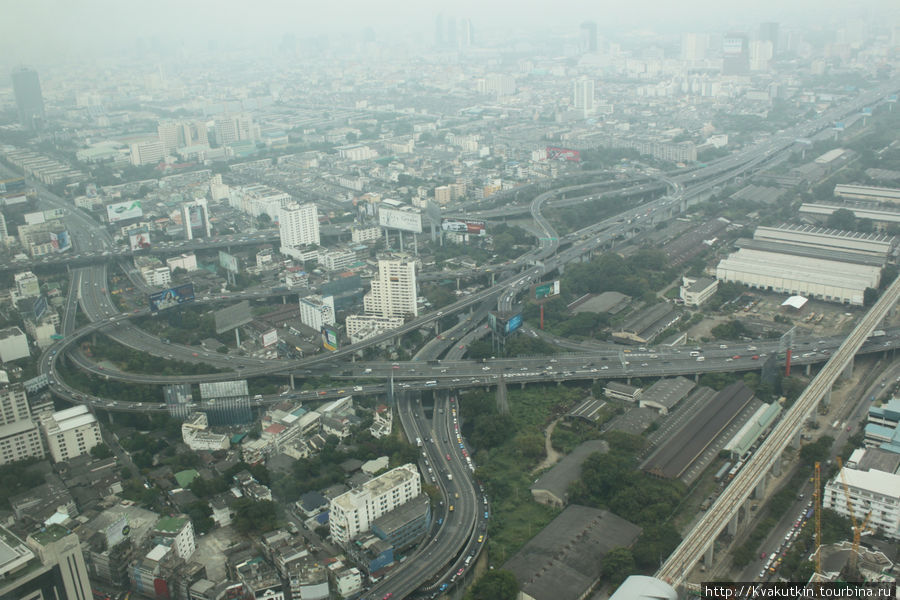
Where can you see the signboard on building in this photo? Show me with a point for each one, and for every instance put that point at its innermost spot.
(404, 220)
(554, 153)
(13, 187)
(228, 262)
(329, 338)
(120, 211)
(171, 297)
(60, 241)
(546, 290)
(40, 307)
(233, 316)
(139, 239)
(117, 531)
(270, 338)
(464, 226)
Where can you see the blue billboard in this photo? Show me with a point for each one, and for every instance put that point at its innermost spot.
(171, 297)
(514, 323)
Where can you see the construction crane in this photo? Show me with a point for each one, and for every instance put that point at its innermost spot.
(857, 527)
(817, 495)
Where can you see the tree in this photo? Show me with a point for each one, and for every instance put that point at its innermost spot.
(498, 584)
(101, 451)
(842, 219)
(617, 565)
(870, 296)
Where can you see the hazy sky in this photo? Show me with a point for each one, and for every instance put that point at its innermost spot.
(35, 30)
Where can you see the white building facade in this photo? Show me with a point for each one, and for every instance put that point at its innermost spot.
(298, 226)
(393, 292)
(317, 311)
(874, 493)
(70, 433)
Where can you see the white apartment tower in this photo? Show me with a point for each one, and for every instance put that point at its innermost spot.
(317, 311)
(352, 512)
(195, 219)
(583, 94)
(393, 292)
(27, 285)
(19, 436)
(298, 225)
(70, 433)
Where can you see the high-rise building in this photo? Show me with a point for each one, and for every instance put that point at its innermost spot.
(27, 285)
(583, 94)
(19, 436)
(3, 234)
(588, 38)
(694, 46)
(439, 30)
(769, 32)
(49, 565)
(466, 34)
(298, 226)
(235, 128)
(148, 152)
(735, 54)
(353, 512)
(29, 100)
(71, 432)
(393, 292)
(195, 219)
(317, 311)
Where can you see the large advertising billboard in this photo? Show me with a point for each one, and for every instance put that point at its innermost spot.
(329, 338)
(124, 210)
(404, 220)
(228, 262)
(139, 239)
(60, 241)
(464, 226)
(233, 316)
(270, 338)
(546, 290)
(555, 153)
(171, 297)
(514, 323)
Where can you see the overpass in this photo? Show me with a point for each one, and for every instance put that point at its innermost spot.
(700, 540)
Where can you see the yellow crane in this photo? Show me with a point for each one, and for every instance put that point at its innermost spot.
(857, 527)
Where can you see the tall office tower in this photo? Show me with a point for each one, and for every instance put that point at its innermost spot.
(583, 94)
(760, 55)
(195, 219)
(735, 54)
(171, 134)
(439, 38)
(29, 100)
(353, 512)
(451, 32)
(3, 234)
(393, 292)
(49, 565)
(467, 34)
(694, 46)
(298, 225)
(588, 38)
(19, 436)
(235, 128)
(768, 32)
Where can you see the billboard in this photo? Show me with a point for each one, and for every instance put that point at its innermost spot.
(40, 307)
(233, 316)
(329, 338)
(554, 153)
(60, 241)
(404, 220)
(546, 290)
(124, 210)
(504, 323)
(13, 187)
(228, 262)
(139, 239)
(117, 531)
(270, 338)
(464, 226)
(171, 297)
(514, 323)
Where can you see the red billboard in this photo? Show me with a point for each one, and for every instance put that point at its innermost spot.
(554, 153)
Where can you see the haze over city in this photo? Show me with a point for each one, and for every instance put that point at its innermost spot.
(479, 300)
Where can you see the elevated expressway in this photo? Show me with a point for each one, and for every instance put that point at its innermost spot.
(700, 540)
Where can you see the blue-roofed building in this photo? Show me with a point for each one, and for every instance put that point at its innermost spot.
(882, 429)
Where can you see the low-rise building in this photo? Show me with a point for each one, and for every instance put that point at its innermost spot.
(195, 433)
(13, 344)
(69, 433)
(873, 493)
(176, 533)
(696, 291)
(621, 391)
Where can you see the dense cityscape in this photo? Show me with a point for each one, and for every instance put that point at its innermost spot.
(448, 302)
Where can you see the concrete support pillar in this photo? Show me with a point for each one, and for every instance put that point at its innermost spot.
(292, 382)
(776, 466)
(760, 490)
(109, 413)
(696, 377)
(628, 380)
(732, 526)
(796, 441)
(808, 369)
(826, 398)
(848, 370)
(709, 555)
(523, 385)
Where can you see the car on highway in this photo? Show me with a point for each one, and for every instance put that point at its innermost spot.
(448, 457)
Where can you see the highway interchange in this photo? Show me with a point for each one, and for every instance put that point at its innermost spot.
(89, 290)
